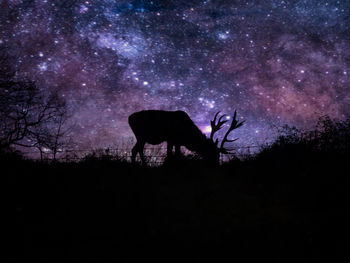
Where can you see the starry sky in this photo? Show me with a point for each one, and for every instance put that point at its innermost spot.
(277, 62)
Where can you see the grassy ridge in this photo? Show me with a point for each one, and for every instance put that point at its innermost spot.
(288, 203)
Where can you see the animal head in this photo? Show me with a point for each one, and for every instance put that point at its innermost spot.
(211, 149)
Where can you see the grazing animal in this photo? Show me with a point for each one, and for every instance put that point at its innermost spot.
(177, 129)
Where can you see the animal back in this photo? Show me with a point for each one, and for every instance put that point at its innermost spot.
(155, 126)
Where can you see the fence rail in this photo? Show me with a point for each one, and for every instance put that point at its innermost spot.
(153, 155)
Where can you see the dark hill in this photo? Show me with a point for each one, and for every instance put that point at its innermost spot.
(288, 203)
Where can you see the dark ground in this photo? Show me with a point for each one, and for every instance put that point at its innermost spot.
(280, 209)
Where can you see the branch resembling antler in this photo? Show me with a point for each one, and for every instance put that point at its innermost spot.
(234, 125)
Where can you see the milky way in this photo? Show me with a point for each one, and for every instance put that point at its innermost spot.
(276, 62)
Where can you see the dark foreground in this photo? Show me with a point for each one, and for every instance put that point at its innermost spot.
(108, 211)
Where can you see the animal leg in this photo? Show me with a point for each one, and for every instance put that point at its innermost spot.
(169, 150)
(138, 148)
(134, 152)
(177, 150)
(141, 146)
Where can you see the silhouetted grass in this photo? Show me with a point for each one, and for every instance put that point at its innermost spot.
(288, 203)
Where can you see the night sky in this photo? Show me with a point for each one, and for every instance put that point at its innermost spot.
(276, 62)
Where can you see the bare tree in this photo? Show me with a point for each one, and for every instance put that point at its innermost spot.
(26, 113)
(28, 116)
(53, 137)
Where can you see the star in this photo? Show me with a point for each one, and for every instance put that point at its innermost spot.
(275, 62)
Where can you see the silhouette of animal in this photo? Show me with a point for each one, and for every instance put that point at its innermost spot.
(177, 129)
